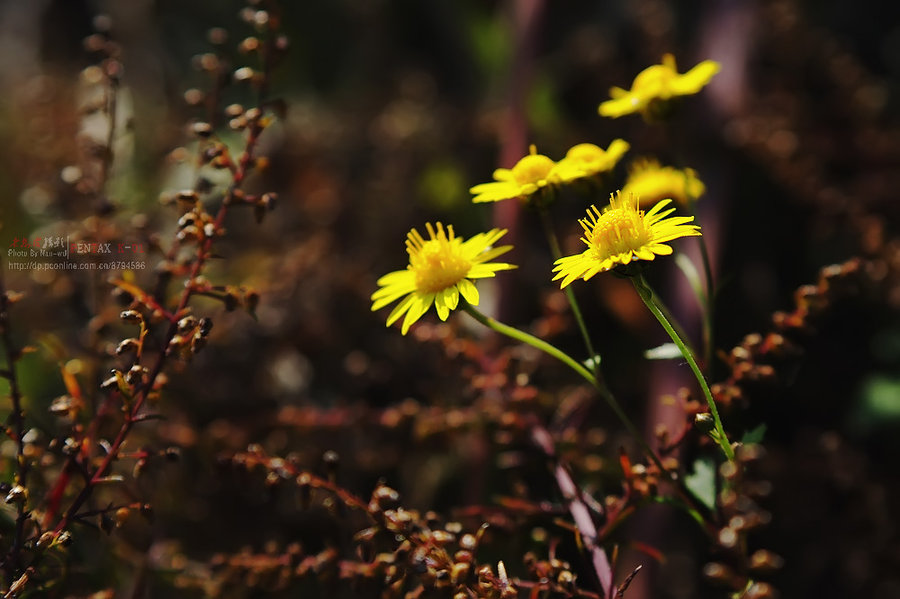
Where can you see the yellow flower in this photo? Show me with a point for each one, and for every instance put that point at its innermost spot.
(622, 233)
(651, 183)
(531, 174)
(439, 271)
(587, 160)
(657, 84)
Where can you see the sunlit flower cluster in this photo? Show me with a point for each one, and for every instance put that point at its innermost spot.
(442, 266)
(651, 183)
(536, 172)
(655, 86)
(439, 272)
(622, 233)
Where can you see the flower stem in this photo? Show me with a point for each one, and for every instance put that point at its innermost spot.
(604, 392)
(531, 340)
(708, 310)
(593, 356)
(672, 321)
(646, 294)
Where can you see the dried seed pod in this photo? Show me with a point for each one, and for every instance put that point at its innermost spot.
(261, 18)
(186, 324)
(728, 537)
(17, 494)
(766, 562)
(233, 110)
(468, 542)
(46, 539)
(187, 196)
(761, 590)
(110, 383)
(384, 498)
(128, 345)
(187, 219)
(135, 374)
(459, 572)
(188, 233)
(243, 74)
(132, 316)
(198, 342)
(205, 325)
(268, 200)
(728, 470)
(61, 405)
(442, 537)
(721, 574)
(194, 97)
(201, 129)
(248, 45)
(304, 483)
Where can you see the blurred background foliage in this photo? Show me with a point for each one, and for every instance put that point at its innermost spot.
(391, 111)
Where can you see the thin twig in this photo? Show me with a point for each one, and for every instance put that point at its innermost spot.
(13, 562)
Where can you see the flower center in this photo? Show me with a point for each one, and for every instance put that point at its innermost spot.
(618, 231)
(439, 264)
(533, 168)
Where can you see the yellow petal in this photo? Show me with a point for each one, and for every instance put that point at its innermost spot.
(418, 308)
(468, 291)
(694, 80)
(400, 308)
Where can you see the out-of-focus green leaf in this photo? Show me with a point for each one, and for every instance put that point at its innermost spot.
(881, 397)
(666, 351)
(702, 481)
(755, 435)
(693, 277)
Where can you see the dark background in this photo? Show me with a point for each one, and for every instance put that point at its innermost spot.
(393, 110)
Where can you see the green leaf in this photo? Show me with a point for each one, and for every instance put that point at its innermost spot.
(692, 275)
(666, 351)
(755, 435)
(702, 481)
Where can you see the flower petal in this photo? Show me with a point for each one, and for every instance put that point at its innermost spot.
(469, 291)
(418, 308)
(400, 309)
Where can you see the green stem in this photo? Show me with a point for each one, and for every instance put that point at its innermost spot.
(646, 294)
(593, 356)
(531, 340)
(545, 347)
(672, 321)
(708, 310)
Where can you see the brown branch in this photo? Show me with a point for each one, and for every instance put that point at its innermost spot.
(578, 509)
(13, 561)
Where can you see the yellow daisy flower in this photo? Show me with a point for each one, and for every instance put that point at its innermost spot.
(651, 183)
(587, 160)
(656, 84)
(439, 271)
(622, 233)
(531, 174)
